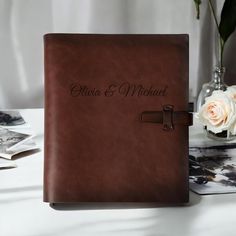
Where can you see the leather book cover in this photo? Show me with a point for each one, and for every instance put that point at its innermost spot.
(116, 118)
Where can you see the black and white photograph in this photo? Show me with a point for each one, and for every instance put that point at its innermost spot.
(10, 139)
(11, 118)
(213, 169)
(7, 164)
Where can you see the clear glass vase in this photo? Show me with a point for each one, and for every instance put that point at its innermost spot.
(216, 83)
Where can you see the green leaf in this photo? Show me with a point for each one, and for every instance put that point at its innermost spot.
(228, 19)
(197, 5)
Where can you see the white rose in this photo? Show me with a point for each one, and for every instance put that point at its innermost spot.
(218, 112)
(231, 91)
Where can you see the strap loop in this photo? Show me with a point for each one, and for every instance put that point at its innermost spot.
(168, 117)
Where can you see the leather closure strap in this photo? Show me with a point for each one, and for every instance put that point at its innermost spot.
(168, 117)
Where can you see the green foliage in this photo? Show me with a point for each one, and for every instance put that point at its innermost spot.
(228, 19)
(227, 22)
(197, 5)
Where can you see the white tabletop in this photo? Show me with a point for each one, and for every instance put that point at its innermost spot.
(23, 213)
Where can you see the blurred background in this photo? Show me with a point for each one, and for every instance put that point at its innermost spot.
(24, 22)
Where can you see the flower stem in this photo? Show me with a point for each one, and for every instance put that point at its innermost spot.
(221, 41)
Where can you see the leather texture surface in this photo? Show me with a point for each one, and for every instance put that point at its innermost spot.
(96, 147)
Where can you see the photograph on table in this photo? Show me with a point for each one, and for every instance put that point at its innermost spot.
(10, 139)
(11, 118)
(213, 169)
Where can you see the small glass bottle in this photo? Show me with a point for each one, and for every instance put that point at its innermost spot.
(217, 83)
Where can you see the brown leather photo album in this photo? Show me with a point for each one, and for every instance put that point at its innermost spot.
(116, 118)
